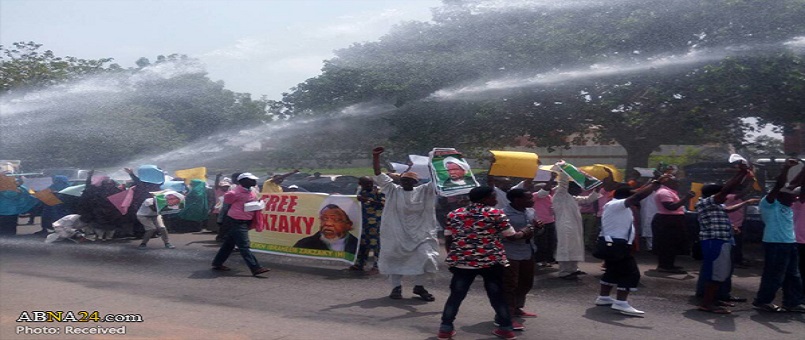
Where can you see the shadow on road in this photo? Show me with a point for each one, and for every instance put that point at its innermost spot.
(406, 304)
(769, 319)
(719, 322)
(606, 315)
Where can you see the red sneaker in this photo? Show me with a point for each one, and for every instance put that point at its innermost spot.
(524, 314)
(442, 335)
(508, 335)
(515, 325)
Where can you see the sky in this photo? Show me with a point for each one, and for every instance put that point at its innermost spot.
(260, 47)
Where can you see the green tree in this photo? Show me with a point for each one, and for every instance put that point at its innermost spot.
(661, 76)
(24, 67)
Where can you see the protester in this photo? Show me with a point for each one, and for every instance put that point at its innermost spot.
(409, 225)
(239, 221)
(12, 204)
(196, 207)
(668, 227)
(648, 208)
(53, 213)
(737, 217)
(69, 227)
(617, 222)
(798, 208)
(152, 223)
(220, 188)
(154, 178)
(96, 209)
(518, 277)
(781, 260)
(543, 208)
(715, 233)
(570, 237)
(223, 228)
(274, 184)
(473, 244)
(372, 203)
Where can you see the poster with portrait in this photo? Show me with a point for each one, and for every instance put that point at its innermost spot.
(306, 224)
(168, 202)
(451, 172)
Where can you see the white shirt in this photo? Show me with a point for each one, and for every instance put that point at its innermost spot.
(617, 220)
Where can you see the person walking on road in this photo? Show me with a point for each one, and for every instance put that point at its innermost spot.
(473, 243)
(239, 221)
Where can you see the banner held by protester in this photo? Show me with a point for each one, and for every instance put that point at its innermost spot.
(311, 225)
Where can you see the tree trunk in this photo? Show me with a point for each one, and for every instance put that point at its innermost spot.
(637, 155)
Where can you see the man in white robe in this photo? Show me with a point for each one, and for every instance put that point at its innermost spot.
(569, 229)
(408, 230)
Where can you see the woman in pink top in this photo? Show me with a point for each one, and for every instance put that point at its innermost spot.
(668, 227)
(545, 241)
(239, 221)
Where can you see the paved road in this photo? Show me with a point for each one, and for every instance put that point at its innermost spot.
(179, 297)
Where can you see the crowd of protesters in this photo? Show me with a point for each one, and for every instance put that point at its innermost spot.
(500, 232)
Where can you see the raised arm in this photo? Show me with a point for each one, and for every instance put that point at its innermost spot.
(376, 159)
(134, 177)
(730, 186)
(772, 196)
(735, 207)
(642, 193)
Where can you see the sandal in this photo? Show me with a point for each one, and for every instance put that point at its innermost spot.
(768, 307)
(221, 268)
(715, 309)
(260, 270)
(724, 304)
(396, 293)
(356, 268)
(423, 293)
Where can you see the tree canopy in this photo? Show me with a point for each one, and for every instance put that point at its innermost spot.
(62, 111)
(640, 73)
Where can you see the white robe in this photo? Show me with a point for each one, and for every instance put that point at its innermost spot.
(648, 208)
(569, 230)
(408, 243)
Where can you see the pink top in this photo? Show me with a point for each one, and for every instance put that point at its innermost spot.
(543, 208)
(799, 221)
(587, 208)
(737, 216)
(665, 194)
(236, 198)
(606, 196)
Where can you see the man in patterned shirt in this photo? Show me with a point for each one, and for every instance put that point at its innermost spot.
(715, 233)
(473, 242)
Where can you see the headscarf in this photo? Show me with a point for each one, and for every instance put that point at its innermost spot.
(60, 183)
(196, 207)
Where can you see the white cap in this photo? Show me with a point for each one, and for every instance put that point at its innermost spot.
(293, 186)
(247, 175)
